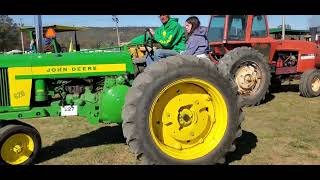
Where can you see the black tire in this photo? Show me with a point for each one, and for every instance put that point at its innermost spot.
(18, 127)
(305, 86)
(146, 87)
(233, 60)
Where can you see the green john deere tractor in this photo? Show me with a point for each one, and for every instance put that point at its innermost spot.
(181, 110)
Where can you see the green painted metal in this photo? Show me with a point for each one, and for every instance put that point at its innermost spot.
(74, 99)
(103, 106)
(109, 82)
(89, 97)
(54, 110)
(120, 80)
(40, 90)
(75, 75)
(35, 112)
(13, 109)
(90, 112)
(70, 58)
(86, 97)
(111, 103)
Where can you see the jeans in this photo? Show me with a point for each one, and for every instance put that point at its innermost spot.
(160, 53)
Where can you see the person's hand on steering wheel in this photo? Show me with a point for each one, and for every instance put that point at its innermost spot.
(151, 31)
(148, 40)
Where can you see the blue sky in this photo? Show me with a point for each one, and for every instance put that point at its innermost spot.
(296, 21)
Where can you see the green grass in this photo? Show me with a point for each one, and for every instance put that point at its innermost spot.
(283, 130)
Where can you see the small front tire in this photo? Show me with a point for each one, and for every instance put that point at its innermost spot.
(19, 144)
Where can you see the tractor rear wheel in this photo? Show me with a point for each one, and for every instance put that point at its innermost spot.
(182, 110)
(19, 144)
(310, 83)
(250, 71)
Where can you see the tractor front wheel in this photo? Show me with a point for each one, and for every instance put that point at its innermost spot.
(182, 110)
(19, 144)
(310, 83)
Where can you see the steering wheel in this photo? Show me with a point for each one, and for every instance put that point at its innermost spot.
(148, 42)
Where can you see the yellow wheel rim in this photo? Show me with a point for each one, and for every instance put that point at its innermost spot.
(188, 119)
(17, 149)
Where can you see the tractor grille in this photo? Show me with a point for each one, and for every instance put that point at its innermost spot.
(4, 87)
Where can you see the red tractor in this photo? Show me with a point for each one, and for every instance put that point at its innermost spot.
(241, 45)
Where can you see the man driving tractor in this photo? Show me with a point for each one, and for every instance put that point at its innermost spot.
(170, 36)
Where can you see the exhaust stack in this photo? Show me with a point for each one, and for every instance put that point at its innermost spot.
(39, 32)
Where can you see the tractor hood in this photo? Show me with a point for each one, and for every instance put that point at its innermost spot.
(73, 61)
(298, 45)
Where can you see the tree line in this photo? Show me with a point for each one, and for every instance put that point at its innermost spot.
(9, 34)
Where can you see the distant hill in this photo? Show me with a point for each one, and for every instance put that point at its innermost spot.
(96, 37)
